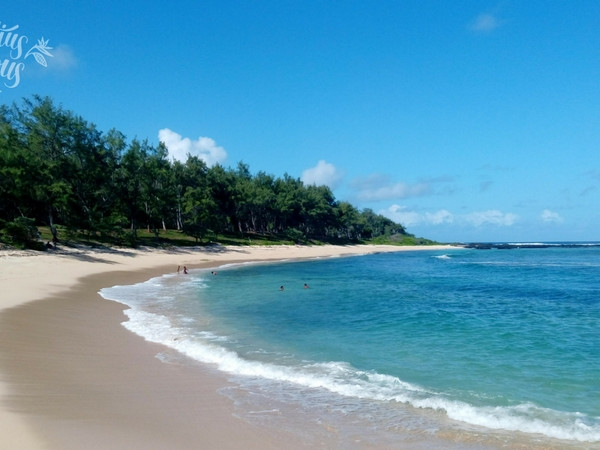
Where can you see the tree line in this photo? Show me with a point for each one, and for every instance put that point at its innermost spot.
(58, 169)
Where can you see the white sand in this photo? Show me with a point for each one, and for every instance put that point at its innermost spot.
(28, 420)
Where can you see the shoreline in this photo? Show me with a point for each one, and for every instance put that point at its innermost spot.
(72, 376)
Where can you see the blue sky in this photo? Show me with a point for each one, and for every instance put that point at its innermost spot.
(464, 121)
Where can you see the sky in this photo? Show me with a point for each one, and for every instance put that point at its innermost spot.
(464, 121)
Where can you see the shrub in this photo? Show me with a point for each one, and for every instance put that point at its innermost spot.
(22, 233)
(295, 235)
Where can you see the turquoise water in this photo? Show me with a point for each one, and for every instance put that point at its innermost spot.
(497, 339)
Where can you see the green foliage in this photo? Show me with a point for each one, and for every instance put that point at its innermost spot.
(22, 233)
(400, 239)
(66, 175)
(295, 235)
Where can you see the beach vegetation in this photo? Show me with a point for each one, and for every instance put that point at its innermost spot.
(21, 233)
(60, 174)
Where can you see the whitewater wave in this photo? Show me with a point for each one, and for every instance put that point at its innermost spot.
(342, 379)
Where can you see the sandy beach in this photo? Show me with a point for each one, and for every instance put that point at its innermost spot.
(71, 376)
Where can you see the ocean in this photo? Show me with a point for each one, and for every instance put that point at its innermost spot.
(479, 348)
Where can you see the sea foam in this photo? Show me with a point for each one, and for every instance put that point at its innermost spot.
(342, 379)
(338, 378)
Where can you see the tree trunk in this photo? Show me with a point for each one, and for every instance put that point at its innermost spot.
(51, 224)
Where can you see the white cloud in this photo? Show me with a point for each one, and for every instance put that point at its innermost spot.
(397, 190)
(491, 217)
(204, 148)
(485, 23)
(402, 215)
(63, 59)
(408, 218)
(378, 187)
(323, 173)
(548, 216)
(440, 217)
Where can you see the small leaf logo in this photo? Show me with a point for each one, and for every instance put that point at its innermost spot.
(39, 50)
(40, 59)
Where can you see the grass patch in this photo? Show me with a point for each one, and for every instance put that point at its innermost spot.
(174, 238)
